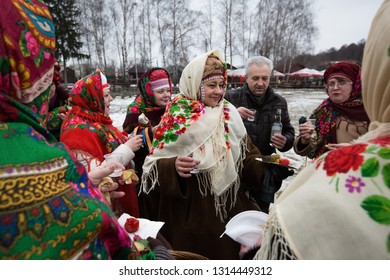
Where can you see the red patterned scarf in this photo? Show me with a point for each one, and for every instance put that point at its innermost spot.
(86, 127)
(326, 115)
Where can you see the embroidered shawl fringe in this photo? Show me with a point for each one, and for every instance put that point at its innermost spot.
(220, 201)
(149, 180)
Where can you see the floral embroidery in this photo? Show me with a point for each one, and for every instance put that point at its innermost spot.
(344, 159)
(354, 183)
(180, 113)
(373, 163)
(383, 142)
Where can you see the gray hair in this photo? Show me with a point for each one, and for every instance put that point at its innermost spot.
(258, 60)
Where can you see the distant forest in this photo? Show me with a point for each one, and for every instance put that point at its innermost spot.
(352, 52)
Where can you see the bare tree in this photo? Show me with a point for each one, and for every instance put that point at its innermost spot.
(170, 31)
(206, 24)
(149, 27)
(284, 28)
(244, 25)
(160, 29)
(176, 21)
(121, 15)
(229, 18)
(98, 26)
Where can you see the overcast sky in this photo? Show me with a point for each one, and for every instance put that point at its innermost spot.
(339, 22)
(343, 22)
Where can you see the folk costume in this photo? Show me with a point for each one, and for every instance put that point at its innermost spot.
(58, 104)
(196, 209)
(90, 134)
(343, 199)
(48, 207)
(145, 103)
(154, 79)
(337, 123)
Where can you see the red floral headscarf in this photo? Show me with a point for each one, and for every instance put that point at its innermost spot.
(27, 54)
(326, 114)
(86, 127)
(145, 100)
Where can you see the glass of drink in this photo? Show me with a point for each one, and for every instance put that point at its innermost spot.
(312, 125)
(196, 169)
(251, 119)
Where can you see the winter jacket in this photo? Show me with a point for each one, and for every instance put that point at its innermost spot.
(260, 129)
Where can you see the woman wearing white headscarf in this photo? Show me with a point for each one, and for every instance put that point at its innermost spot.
(339, 207)
(200, 129)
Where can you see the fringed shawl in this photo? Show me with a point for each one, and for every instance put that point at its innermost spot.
(215, 136)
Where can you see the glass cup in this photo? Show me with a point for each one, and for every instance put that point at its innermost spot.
(196, 169)
(312, 124)
(251, 119)
(112, 158)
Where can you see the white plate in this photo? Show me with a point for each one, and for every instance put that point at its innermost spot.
(246, 227)
(146, 227)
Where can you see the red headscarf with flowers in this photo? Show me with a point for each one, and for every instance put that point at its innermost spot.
(86, 127)
(326, 114)
(27, 56)
(145, 102)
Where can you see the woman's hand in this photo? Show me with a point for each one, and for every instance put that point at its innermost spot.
(184, 165)
(305, 132)
(246, 249)
(97, 174)
(135, 143)
(245, 113)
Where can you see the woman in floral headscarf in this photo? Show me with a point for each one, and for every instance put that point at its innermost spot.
(340, 118)
(200, 129)
(339, 207)
(88, 131)
(49, 209)
(155, 89)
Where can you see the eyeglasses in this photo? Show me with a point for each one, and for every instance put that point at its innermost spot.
(339, 84)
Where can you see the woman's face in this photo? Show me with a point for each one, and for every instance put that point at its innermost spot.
(107, 100)
(339, 89)
(162, 96)
(214, 91)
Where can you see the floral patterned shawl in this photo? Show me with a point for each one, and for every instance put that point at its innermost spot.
(216, 136)
(48, 208)
(85, 127)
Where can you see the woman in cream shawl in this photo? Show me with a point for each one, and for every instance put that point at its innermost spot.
(200, 129)
(338, 208)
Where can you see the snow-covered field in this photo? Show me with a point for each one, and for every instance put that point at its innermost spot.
(300, 102)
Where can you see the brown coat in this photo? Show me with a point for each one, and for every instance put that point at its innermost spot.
(191, 223)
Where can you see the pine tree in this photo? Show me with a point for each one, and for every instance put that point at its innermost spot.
(68, 36)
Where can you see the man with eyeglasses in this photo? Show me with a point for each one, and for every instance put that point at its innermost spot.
(340, 118)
